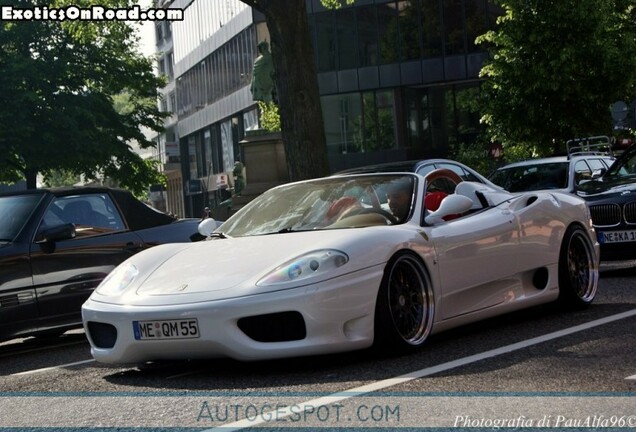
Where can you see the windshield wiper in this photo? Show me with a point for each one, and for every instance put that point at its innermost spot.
(286, 230)
(218, 235)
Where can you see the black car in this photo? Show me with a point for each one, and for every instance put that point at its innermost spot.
(612, 201)
(56, 246)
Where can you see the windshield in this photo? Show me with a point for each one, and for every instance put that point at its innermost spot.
(532, 177)
(15, 212)
(329, 203)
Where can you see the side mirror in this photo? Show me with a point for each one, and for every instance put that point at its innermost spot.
(452, 204)
(207, 227)
(598, 173)
(56, 233)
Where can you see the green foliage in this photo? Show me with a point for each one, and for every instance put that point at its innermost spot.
(476, 155)
(336, 4)
(55, 178)
(270, 117)
(554, 70)
(57, 97)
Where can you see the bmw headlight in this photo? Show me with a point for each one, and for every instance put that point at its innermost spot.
(305, 266)
(118, 280)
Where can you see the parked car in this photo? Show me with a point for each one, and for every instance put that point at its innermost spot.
(57, 245)
(422, 167)
(562, 173)
(325, 265)
(612, 201)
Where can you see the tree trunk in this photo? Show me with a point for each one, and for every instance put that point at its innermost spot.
(31, 177)
(302, 126)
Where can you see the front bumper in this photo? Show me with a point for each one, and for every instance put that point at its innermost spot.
(338, 316)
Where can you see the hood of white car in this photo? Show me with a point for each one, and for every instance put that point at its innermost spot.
(226, 268)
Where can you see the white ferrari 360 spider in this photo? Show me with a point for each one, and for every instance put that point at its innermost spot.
(334, 264)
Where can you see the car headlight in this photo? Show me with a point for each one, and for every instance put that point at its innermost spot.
(305, 266)
(118, 280)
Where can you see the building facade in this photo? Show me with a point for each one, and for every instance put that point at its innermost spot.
(398, 80)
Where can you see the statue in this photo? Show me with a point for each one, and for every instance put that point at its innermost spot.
(239, 180)
(262, 87)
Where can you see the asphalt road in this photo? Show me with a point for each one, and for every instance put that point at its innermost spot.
(538, 368)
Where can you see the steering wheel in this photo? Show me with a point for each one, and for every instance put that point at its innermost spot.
(442, 173)
(364, 210)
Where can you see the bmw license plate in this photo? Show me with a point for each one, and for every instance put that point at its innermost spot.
(616, 236)
(166, 329)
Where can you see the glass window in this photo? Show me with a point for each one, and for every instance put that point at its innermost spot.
(327, 203)
(346, 39)
(227, 143)
(192, 156)
(476, 22)
(453, 27)
(582, 171)
(325, 41)
(413, 115)
(367, 36)
(532, 177)
(409, 30)
(386, 120)
(91, 214)
(465, 175)
(423, 170)
(368, 123)
(207, 151)
(431, 28)
(437, 114)
(15, 211)
(250, 120)
(467, 112)
(343, 123)
(388, 32)
(596, 164)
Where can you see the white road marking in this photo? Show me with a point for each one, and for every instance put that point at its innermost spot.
(52, 368)
(379, 385)
(633, 377)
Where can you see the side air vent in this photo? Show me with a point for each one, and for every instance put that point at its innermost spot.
(531, 199)
(540, 278)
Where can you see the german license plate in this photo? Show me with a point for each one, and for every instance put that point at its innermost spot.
(616, 236)
(166, 329)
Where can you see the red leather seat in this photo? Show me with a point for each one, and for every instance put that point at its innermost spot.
(432, 200)
(341, 205)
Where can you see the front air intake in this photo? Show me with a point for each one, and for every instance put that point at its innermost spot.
(103, 335)
(275, 327)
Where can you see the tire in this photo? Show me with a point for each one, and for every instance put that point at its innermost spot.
(405, 306)
(578, 269)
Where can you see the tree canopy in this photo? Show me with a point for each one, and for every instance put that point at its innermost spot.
(59, 81)
(555, 68)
